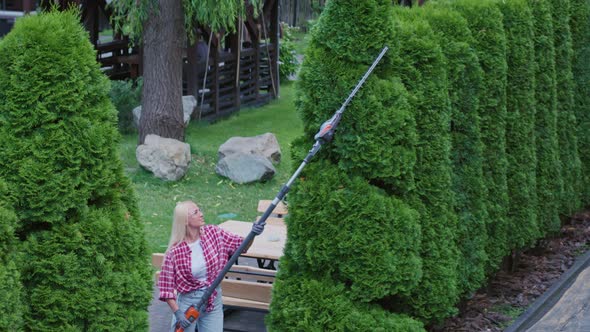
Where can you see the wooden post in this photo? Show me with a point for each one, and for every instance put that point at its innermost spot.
(90, 18)
(27, 6)
(235, 41)
(215, 73)
(274, 40)
(192, 84)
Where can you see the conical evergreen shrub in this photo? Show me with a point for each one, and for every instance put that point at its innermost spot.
(86, 267)
(580, 29)
(548, 172)
(11, 306)
(520, 124)
(465, 80)
(485, 20)
(351, 238)
(421, 66)
(566, 119)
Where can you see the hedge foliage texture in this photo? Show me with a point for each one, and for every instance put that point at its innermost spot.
(452, 156)
(86, 267)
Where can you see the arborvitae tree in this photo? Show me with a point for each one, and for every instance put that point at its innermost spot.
(566, 119)
(11, 288)
(580, 28)
(485, 20)
(349, 234)
(465, 79)
(421, 66)
(86, 267)
(548, 172)
(520, 124)
(321, 303)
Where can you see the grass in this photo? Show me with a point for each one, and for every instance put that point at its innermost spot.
(509, 311)
(219, 198)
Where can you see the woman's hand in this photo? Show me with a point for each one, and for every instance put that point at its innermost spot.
(181, 319)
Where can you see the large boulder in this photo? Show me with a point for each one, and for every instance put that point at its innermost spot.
(265, 145)
(188, 106)
(245, 168)
(167, 158)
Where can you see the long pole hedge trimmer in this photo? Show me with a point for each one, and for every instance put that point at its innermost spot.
(324, 135)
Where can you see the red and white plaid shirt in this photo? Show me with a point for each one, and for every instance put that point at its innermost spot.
(218, 246)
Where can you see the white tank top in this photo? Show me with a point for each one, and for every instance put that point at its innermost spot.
(198, 265)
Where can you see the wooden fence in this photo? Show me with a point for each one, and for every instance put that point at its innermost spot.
(298, 12)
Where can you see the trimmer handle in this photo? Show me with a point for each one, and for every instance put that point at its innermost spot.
(191, 315)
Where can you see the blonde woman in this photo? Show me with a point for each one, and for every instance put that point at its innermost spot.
(196, 254)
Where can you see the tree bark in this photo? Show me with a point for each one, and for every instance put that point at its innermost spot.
(163, 42)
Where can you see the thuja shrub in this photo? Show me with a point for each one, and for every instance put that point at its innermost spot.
(485, 21)
(421, 66)
(566, 119)
(580, 29)
(312, 302)
(520, 124)
(11, 288)
(86, 267)
(465, 79)
(374, 237)
(377, 132)
(548, 171)
(350, 234)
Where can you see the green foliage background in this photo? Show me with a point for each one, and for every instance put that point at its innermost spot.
(580, 29)
(520, 124)
(458, 141)
(485, 20)
(549, 183)
(566, 118)
(77, 220)
(465, 81)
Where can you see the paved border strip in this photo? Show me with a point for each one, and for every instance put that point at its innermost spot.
(546, 301)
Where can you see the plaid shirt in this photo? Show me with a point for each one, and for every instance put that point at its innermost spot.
(218, 245)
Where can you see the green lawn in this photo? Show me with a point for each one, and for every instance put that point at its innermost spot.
(215, 195)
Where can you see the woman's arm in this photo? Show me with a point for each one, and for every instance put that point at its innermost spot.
(172, 303)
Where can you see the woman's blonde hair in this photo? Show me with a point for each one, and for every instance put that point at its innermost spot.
(179, 223)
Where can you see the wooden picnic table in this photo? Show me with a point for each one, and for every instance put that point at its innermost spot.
(266, 247)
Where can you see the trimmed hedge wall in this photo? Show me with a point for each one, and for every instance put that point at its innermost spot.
(548, 172)
(566, 119)
(86, 266)
(421, 66)
(520, 124)
(353, 244)
(11, 306)
(485, 20)
(465, 80)
(580, 29)
(446, 161)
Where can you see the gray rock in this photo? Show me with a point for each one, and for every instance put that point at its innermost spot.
(245, 168)
(265, 145)
(188, 106)
(167, 158)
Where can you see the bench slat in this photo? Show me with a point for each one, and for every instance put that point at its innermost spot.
(235, 302)
(274, 221)
(246, 290)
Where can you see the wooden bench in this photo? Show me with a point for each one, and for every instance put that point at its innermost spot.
(245, 287)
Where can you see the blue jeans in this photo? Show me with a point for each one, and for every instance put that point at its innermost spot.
(207, 321)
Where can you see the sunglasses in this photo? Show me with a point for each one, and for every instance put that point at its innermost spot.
(193, 212)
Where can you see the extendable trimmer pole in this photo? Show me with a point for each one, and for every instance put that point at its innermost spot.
(324, 135)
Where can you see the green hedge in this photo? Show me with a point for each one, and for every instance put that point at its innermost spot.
(580, 29)
(86, 267)
(548, 172)
(465, 80)
(485, 20)
(322, 304)
(421, 66)
(566, 119)
(11, 288)
(520, 124)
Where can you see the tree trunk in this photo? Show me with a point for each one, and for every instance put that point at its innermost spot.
(163, 42)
